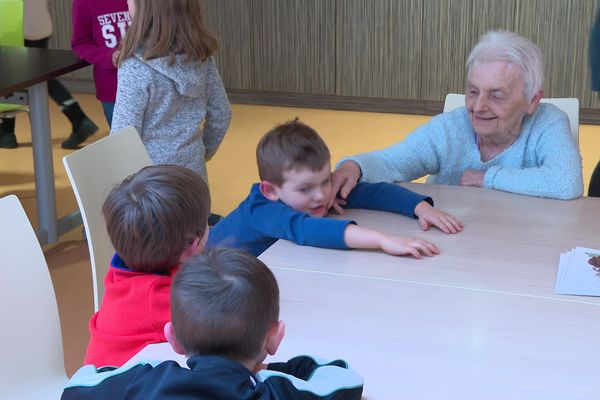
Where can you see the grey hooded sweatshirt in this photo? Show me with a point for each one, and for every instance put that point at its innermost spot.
(167, 104)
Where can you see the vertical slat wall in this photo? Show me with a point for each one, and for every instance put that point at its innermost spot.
(61, 39)
(451, 30)
(226, 21)
(289, 46)
(385, 49)
(378, 48)
(561, 29)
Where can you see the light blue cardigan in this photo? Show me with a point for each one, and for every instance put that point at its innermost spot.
(544, 161)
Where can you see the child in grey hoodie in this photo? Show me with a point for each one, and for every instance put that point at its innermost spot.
(168, 84)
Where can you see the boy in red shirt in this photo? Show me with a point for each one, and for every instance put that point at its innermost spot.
(155, 218)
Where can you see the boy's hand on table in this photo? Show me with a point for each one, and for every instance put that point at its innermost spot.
(338, 206)
(402, 245)
(430, 216)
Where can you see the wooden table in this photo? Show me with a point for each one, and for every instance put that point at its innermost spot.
(479, 321)
(30, 68)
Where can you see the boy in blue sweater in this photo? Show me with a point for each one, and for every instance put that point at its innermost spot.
(225, 318)
(295, 173)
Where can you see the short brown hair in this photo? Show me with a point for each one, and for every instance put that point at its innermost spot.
(291, 145)
(223, 302)
(168, 28)
(154, 214)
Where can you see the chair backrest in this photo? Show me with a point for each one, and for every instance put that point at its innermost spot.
(569, 105)
(30, 338)
(11, 22)
(93, 172)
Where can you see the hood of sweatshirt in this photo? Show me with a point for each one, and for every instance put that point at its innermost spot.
(189, 78)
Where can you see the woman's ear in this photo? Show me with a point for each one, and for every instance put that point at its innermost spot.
(269, 190)
(535, 102)
(172, 339)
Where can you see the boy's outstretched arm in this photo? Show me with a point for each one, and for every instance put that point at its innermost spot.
(305, 377)
(400, 200)
(359, 237)
(429, 216)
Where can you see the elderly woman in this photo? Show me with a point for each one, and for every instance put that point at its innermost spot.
(503, 139)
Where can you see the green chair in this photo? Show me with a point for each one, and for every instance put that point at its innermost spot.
(11, 34)
(11, 22)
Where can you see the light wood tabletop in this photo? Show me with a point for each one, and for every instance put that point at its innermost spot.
(478, 321)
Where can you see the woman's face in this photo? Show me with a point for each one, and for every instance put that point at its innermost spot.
(495, 100)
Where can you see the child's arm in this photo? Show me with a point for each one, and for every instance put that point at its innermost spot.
(359, 237)
(429, 216)
(82, 41)
(385, 197)
(218, 113)
(311, 377)
(277, 220)
(397, 199)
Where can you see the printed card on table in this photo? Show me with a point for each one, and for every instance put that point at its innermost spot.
(579, 272)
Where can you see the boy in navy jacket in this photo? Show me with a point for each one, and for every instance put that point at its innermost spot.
(295, 172)
(225, 318)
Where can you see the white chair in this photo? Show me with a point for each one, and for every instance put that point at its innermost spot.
(31, 341)
(93, 172)
(569, 105)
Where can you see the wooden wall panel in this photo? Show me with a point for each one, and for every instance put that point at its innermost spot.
(451, 29)
(561, 29)
(368, 51)
(61, 17)
(225, 21)
(289, 46)
(61, 39)
(379, 48)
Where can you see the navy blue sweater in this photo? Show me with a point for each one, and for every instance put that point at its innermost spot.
(215, 378)
(258, 222)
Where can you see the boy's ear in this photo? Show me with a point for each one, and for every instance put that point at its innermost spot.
(203, 240)
(196, 246)
(274, 337)
(269, 190)
(172, 339)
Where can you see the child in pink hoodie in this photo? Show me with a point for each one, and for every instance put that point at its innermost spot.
(98, 28)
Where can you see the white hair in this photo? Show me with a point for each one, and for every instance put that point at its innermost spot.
(516, 50)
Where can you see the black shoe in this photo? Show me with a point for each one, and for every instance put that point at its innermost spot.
(8, 141)
(213, 219)
(85, 129)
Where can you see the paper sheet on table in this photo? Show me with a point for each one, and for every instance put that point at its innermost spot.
(579, 272)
